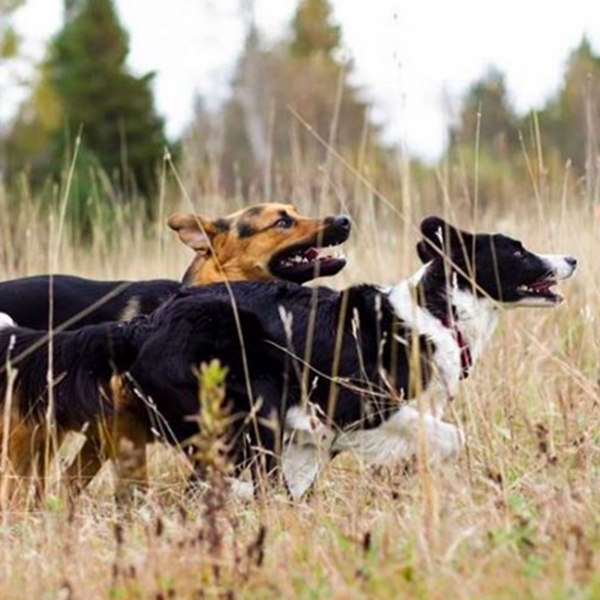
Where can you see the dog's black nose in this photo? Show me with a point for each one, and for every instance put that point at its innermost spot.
(572, 261)
(341, 222)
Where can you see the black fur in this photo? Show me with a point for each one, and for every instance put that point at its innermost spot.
(221, 225)
(83, 364)
(27, 300)
(84, 361)
(245, 229)
(254, 211)
(163, 352)
(199, 324)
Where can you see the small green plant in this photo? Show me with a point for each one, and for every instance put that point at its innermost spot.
(213, 423)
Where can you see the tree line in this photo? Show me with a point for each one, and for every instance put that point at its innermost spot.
(291, 114)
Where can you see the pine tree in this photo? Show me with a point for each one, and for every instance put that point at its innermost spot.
(114, 108)
(486, 134)
(313, 32)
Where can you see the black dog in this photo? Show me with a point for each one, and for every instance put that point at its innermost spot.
(89, 388)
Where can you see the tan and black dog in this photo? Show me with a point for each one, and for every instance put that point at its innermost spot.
(263, 242)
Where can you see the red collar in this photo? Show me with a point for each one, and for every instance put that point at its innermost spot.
(466, 359)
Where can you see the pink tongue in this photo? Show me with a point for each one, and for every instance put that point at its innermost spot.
(312, 254)
(541, 286)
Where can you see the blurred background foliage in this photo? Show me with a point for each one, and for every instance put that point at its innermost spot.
(293, 126)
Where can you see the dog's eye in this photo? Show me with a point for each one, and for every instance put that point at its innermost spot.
(284, 222)
(518, 254)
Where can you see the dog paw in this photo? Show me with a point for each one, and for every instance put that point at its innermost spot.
(445, 440)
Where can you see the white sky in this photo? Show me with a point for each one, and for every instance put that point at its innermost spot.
(410, 55)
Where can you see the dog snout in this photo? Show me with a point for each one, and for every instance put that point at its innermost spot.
(562, 266)
(570, 268)
(341, 222)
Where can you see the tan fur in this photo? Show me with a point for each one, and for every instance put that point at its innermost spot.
(27, 449)
(122, 438)
(225, 256)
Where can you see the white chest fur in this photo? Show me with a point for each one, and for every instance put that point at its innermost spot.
(476, 318)
(446, 358)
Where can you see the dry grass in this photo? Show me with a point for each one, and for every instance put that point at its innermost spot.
(515, 517)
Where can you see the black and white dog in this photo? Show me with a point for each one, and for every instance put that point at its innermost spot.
(368, 369)
(315, 372)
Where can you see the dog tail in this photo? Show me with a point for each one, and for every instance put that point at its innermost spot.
(71, 372)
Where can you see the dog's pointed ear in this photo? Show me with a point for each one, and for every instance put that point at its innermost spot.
(440, 235)
(194, 230)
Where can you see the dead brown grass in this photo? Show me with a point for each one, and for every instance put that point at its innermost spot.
(515, 517)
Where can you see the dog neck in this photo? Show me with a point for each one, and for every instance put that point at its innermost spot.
(472, 317)
(205, 270)
(193, 274)
(475, 319)
(458, 321)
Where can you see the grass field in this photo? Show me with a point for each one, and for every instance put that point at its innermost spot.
(517, 516)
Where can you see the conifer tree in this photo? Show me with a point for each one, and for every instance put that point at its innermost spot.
(98, 93)
(313, 32)
(263, 143)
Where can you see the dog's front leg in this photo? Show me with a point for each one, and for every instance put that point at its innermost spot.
(306, 450)
(262, 446)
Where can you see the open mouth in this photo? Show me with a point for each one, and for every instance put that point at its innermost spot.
(540, 290)
(309, 260)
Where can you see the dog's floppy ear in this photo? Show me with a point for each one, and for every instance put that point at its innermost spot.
(440, 236)
(194, 230)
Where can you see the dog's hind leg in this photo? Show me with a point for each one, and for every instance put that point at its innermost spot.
(121, 438)
(130, 438)
(90, 459)
(130, 435)
(19, 456)
(45, 443)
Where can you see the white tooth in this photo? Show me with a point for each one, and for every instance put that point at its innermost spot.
(330, 252)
